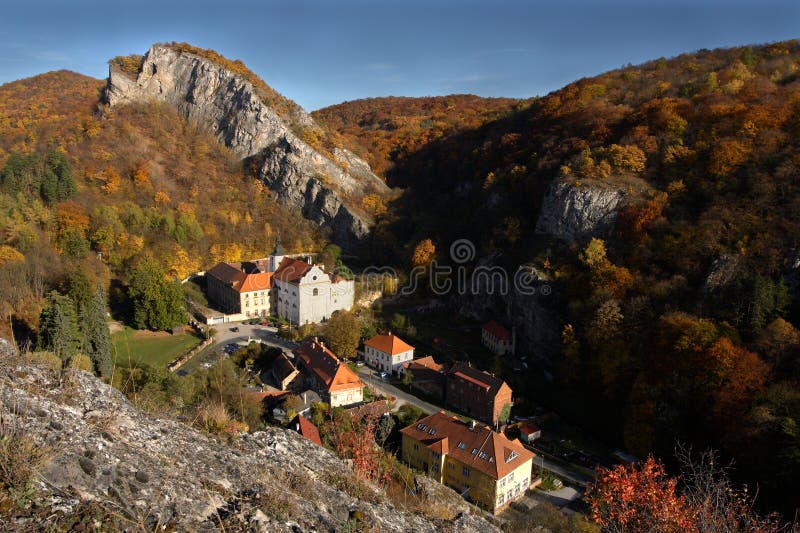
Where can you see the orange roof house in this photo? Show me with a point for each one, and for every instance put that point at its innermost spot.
(387, 352)
(388, 343)
(484, 465)
(333, 380)
(427, 376)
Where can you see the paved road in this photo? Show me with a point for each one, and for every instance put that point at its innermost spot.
(371, 378)
(225, 336)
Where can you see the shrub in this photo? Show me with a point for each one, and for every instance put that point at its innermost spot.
(20, 461)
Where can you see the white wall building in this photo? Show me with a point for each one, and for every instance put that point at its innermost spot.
(387, 352)
(291, 288)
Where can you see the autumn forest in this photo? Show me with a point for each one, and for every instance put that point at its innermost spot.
(679, 325)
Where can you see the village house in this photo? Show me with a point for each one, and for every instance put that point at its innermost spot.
(427, 376)
(332, 379)
(529, 432)
(478, 394)
(241, 288)
(283, 372)
(282, 285)
(388, 353)
(497, 338)
(483, 466)
(306, 428)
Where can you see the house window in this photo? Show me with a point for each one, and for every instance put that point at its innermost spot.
(316, 292)
(465, 471)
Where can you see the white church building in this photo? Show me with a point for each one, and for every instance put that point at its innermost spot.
(298, 291)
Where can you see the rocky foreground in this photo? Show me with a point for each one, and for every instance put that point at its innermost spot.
(105, 464)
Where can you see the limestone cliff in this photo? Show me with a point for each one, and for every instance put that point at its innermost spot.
(574, 209)
(327, 191)
(107, 463)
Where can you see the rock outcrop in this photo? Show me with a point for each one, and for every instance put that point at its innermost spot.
(228, 105)
(108, 463)
(573, 210)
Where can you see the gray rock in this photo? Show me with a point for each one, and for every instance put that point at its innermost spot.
(272, 480)
(228, 105)
(573, 211)
(723, 270)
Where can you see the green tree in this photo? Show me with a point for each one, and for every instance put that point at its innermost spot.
(98, 337)
(505, 412)
(342, 333)
(58, 327)
(157, 302)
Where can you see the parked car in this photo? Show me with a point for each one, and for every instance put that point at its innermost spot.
(235, 329)
(383, 375)
(359, 363)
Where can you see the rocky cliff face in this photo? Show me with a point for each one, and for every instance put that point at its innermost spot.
(108, 463)
(573, 211)
(229, 106)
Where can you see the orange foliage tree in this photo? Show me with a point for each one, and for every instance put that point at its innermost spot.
(640, 498)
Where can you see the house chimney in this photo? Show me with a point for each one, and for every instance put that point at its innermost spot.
(472, 425)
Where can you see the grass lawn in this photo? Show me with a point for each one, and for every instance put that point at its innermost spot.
(155, 348)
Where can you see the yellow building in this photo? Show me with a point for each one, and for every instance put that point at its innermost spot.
(483, 466)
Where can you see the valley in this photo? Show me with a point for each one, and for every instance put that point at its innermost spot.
(632, 235)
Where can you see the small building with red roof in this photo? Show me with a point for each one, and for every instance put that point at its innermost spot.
(427, 376)
(387, 352)
(529, 432)
(306, 428)
(497, 338)
(331, 378)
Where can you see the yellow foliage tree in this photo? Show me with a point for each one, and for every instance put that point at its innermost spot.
(111, 180)
(424, 253)
(162, 198)
(181, 264)
(226, 252)
(9, 255)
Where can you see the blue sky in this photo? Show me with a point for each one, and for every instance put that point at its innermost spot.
(324, 52)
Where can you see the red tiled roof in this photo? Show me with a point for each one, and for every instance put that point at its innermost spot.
(480, 448)
(256, 282)
(291, 270)
(391, 344)
(427, 362)
(307, 429)
(492, 384)
(283, 367)
(232, 274)
(270, 395)
(376, 408)
(497, 330)
(472, 380)
(326, 366)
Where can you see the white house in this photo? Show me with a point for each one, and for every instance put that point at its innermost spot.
(497, 338)
(388, 353)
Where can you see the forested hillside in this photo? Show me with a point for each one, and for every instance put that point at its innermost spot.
(133, 182)
(682, 323)
(386, 130)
